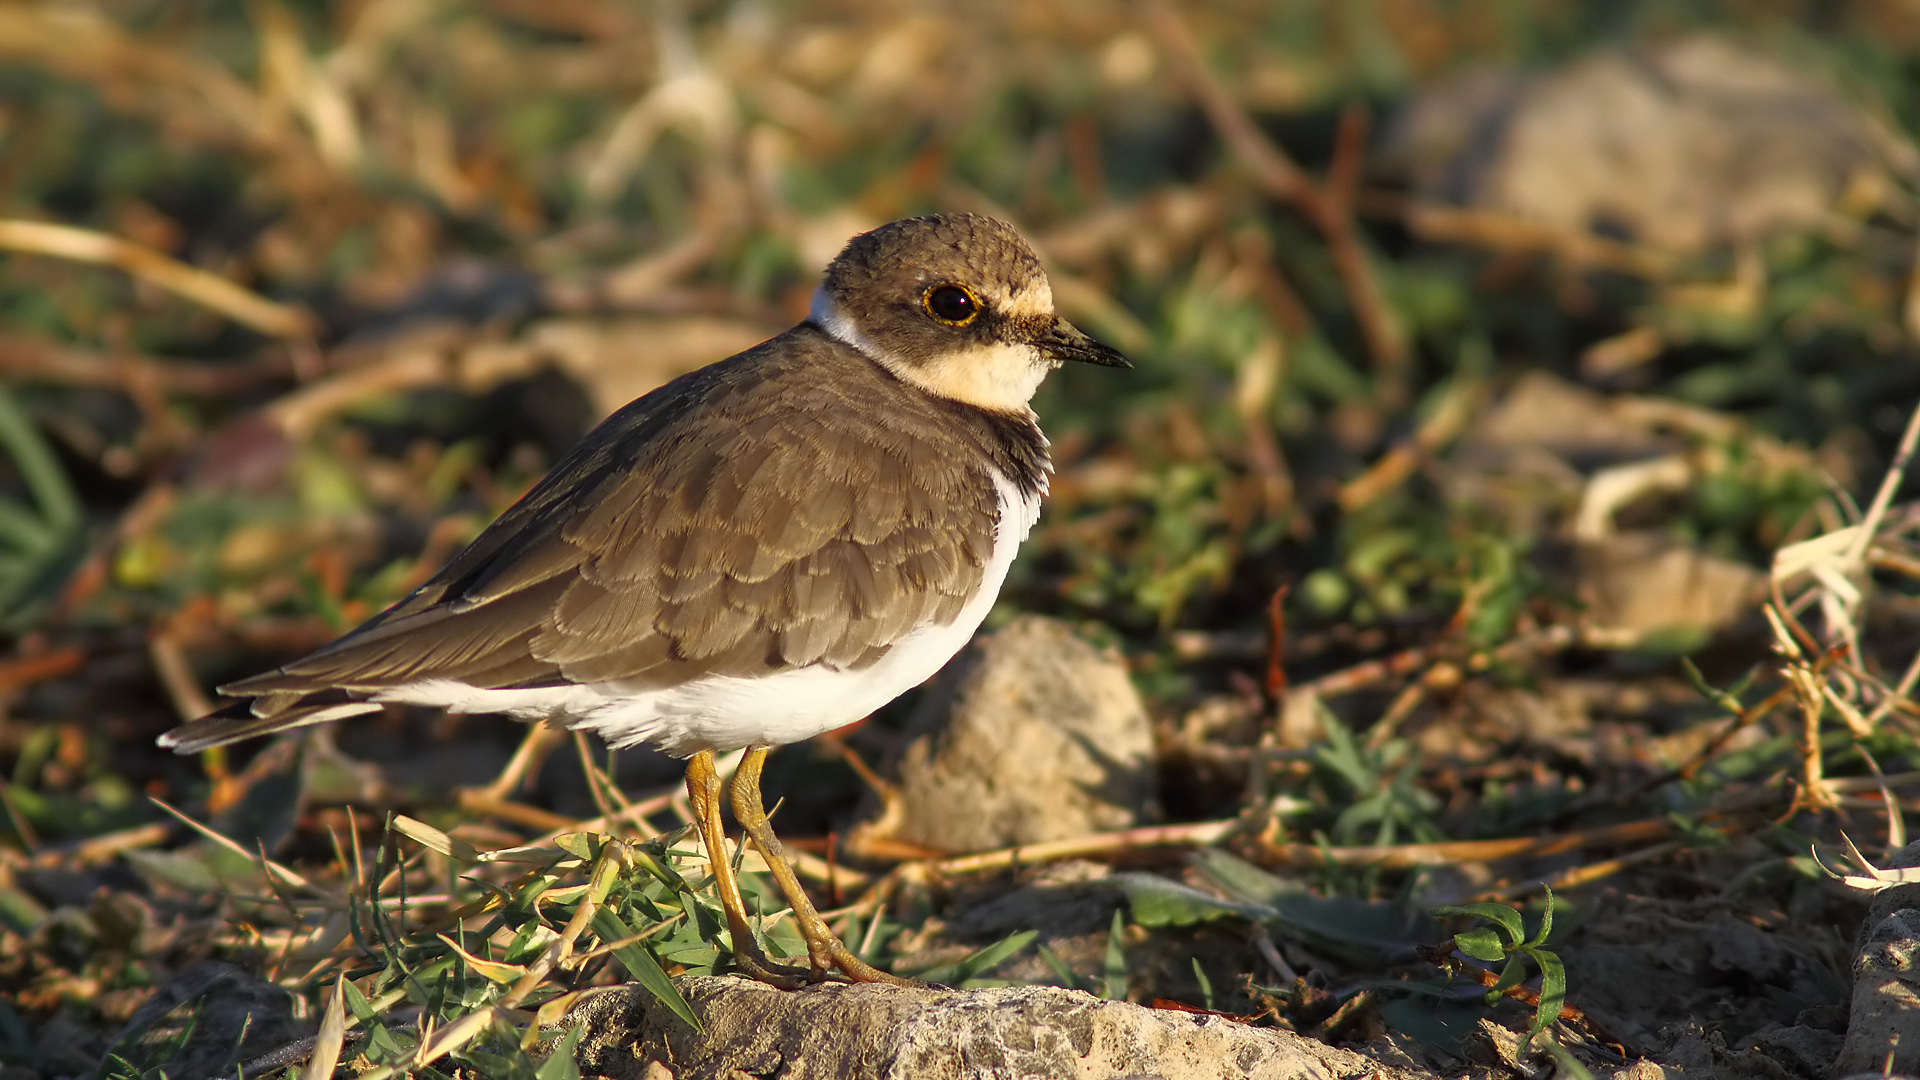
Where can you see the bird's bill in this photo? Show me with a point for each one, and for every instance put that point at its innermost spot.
(1066, 342)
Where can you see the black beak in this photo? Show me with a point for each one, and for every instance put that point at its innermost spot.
(1066, 342)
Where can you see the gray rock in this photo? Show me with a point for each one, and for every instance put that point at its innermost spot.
(1033, 735)
(871, 1032)
(1689, 144)
(207, 1020)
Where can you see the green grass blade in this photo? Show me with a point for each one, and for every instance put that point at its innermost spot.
(59, 507)
(643, 967)
(21, 530)
(984, 960)
(1206, 984)
(1059, 967)
(1116, 961)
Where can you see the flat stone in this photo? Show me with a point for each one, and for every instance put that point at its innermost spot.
(1032, 735)
(873, 1032)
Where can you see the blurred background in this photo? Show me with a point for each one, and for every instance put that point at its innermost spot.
(1486, 352)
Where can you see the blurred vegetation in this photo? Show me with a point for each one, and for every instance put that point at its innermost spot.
(338, 281)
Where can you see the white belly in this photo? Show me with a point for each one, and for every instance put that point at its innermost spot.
(729, 712)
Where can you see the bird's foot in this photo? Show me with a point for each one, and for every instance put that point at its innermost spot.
(827, 951)
(756, 965)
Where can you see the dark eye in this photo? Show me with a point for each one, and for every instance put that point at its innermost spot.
(951, 304)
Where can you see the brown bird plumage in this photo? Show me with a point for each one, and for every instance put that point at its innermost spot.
(794, 504)
(756, 552)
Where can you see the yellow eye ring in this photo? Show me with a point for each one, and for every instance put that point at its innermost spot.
(950, 304)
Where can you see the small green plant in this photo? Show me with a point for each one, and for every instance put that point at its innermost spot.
(1386, 803)
(1501, 935)
(966, 974)
(497, 1010)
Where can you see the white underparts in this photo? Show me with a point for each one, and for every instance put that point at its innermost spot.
(1002, 377)
(728, 712)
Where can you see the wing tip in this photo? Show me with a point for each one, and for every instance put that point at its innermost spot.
(236, 722)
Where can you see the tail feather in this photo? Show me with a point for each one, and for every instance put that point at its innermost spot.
(239, 720)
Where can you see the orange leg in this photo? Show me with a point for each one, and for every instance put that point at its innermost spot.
(703, 789)
(824, 948)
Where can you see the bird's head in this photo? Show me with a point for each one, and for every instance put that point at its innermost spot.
(956, 304)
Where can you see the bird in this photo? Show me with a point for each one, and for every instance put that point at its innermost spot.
(757, 552)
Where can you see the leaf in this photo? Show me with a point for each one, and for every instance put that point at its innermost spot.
(642, 966)
(1565, 1062)
(648, 858)
(267, 866)
(568, 896)
(1481, 943)
(1060, 970)
(1546, 923)
(1371, 926)
(38, 466)
(560, 1063)
(504, 974)
(1242, 880)
(456, 1035)
(1434, 1022)
(434, 840)
(184, 869)
(532, 940)
(357, 1003)
(1156, 901)
(1115, 967)
(333, 1033)
(1511, 976)
(1828, 549)
(533, 855)
(1500, 914)
(1206, 984)
(982, 960)
(1705, 689)
(1553, 989)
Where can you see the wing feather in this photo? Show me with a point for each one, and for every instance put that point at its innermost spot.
(753, 515)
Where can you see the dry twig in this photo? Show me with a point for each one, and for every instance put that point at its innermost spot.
(242, 305)
(1327, 205)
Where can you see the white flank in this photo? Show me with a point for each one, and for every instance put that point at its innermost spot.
(728, 712)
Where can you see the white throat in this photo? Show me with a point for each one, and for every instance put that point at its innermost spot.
(1002, 377)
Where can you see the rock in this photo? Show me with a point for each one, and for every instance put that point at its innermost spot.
(858, 1032)
(1645, 587)
(1694, 143)
(1883, 1023)
(1554, 457)
(1033, 735)
(207, 1020)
